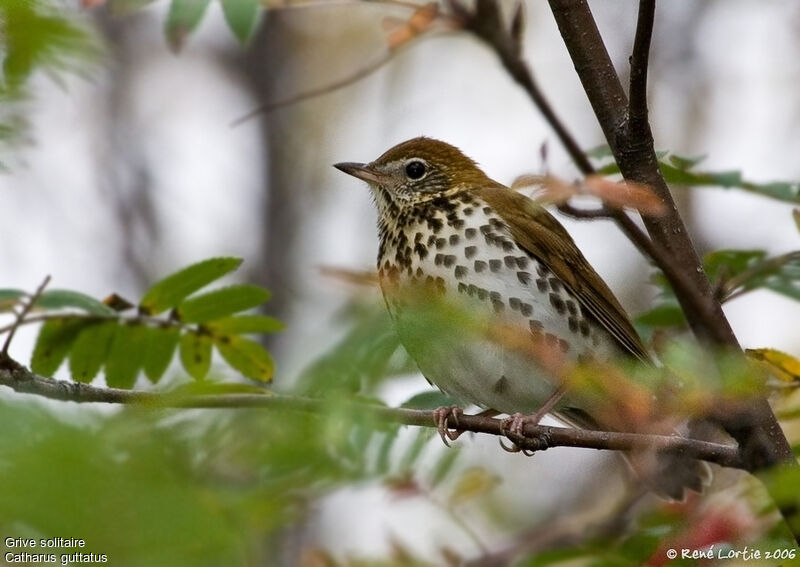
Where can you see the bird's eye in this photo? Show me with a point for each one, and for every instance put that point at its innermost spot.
(415, 169)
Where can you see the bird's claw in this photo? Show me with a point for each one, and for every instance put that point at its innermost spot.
(513, 426)
(440, 417)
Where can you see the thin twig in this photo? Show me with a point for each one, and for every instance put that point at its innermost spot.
(142, 319)
(643, 243)
(486, 23)
(312, 93)
(459, 520)
(584, 214)
(534, 437)
(727, 289)
(353, 78)
(21, 315)
(563, 534)
(640, 56)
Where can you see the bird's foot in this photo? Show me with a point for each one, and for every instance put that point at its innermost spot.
(513, 427)
(440, 417)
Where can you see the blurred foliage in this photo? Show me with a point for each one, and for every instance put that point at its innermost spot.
(733, 273)
(184, 16)
(150, 487)
(37, 35)
(96, 335)
(680, 170)
(368, 352)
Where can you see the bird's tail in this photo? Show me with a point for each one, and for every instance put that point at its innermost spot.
(667, 474)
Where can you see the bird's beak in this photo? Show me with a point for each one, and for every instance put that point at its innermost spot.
(360, 170)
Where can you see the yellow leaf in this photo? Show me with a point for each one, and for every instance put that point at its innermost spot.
(475, 482)
(784, 366)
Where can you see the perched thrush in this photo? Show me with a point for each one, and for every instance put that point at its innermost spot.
(449, 230)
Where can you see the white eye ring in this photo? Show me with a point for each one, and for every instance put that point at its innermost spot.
(416, 169)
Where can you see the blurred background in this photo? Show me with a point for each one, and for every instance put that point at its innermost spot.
(135, 165)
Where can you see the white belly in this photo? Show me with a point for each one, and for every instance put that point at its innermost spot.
(497, 300)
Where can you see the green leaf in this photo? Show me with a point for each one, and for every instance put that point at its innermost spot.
(664, 315)
(367, 354)
(781, 190)
(246, 356)
(126, 7)
(383, 460)
(603, 151)
(90, 350)
(161, 345)
(796, 217)
(34, 37)
(780, 274)
(443, 466)
(241, 16)
(608, 169)
(195, 351)
(64, 298)
(682, 162)
(414, 450)
(728, 263)
(679, 170)
(9, 298)
(245, 324)
(746, 270)
(429, 400)
(221, 303)
(55, 339)
(176, 287)
(182, 19)
(126, 355)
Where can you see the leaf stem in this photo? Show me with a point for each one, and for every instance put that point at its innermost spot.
(21, 315)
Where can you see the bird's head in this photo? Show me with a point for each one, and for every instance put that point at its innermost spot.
(417, 171)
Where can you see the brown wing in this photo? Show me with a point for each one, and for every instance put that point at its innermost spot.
(542, 236)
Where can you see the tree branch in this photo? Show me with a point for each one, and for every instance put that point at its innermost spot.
(755, 427)
(632, 145)
(486, 23)
(761, 441)
(533, 438)
(639, 61)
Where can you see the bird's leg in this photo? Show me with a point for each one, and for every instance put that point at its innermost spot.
(440, 417)
(515, 424)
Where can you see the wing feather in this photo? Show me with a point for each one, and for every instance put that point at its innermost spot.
(544, 238)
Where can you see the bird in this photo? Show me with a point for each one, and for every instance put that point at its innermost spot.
(451, 236)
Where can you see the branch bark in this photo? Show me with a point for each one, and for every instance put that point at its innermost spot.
(533, 438)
